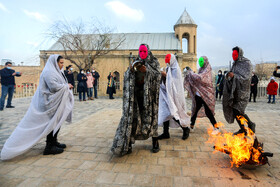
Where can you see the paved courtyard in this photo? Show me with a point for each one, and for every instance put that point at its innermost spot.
(87, 160)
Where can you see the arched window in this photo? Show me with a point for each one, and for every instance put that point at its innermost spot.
(117, 80)
(185, 43)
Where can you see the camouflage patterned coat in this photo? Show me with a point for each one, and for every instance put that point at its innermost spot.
(135, 124)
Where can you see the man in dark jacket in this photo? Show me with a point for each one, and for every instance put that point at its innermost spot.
(254, 87)
(96, 76)
(8, 83)
(69, 75)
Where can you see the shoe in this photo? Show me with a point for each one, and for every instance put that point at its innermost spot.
(268, 102)
(252, 126)
(216, 131)
(192, 128)
(155, 145)
(84, 100)
(1, 109)
(186, 133)
(129, 151)
(60, 145)
(240, 131)
(52, 150)
(10, 106)
(165, 134)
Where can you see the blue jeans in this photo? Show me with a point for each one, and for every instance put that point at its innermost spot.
(273, 98)
(89, 93)
(95, 91)
(7, 90)
(80, 96)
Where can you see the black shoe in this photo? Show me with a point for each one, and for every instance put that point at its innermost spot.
(52, 150)
(186, 133)
(239, 132)
(252, 126)
(1, 109)
(10, 106)
(268, 102)
(60, 145)
(155, 145)
(164, 136)
(249, 100)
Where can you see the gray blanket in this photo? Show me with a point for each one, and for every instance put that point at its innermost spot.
(236, 90)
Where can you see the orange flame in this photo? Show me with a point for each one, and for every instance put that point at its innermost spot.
(238, 147)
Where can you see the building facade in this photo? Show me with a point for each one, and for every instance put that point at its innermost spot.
(160, 44)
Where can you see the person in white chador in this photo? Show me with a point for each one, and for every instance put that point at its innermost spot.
(172, 105)
(51, 105)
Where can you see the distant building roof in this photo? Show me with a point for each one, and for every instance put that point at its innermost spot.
(185, 18)
(156, 41)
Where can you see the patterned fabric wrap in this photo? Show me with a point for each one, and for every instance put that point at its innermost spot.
(237, 89)
(202, 83)
(134, 126)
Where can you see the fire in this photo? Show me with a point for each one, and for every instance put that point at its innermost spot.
(240, 148)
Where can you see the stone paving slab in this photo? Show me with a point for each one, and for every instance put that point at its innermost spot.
(87, 160)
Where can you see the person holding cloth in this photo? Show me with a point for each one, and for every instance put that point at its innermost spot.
(237, 90)
(200, 87)
(51, 105)
(172, 110)
(8, 84)
(140, 103)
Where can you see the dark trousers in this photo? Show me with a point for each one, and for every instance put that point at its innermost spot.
(80, 96)
(254, 96)
(199, 102)
(95, 91)
(218, 93)
(111, 95)
(6, 90)
(52, 138)
(237, 113)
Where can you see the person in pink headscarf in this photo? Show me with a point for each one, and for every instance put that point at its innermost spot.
(140, 103)
(200, 87)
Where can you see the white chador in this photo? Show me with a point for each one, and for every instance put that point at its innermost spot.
(172, 102)
(51, 105)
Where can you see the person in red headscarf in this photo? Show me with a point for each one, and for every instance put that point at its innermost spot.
(237, 90)
(140, 103)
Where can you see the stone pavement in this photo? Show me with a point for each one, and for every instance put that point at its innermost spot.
(87, 160)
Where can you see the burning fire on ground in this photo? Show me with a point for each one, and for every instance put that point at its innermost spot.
(243, 149)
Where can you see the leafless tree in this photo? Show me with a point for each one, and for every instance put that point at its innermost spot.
(82, 43)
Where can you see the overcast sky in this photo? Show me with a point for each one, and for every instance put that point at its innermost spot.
(254, 25)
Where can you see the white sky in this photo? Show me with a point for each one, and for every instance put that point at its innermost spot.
(252, 24)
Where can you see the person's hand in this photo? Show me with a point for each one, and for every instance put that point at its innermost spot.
(163, 74)
(70, 86)
(218, 84)
(230, 74)
(252, 84)
(142, 69)
(14, 74)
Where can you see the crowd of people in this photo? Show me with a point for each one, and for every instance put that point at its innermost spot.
(152, 97)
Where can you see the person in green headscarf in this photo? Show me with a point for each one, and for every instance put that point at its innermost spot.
(200, 87)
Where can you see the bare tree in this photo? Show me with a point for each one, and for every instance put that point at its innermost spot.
(83, 43)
